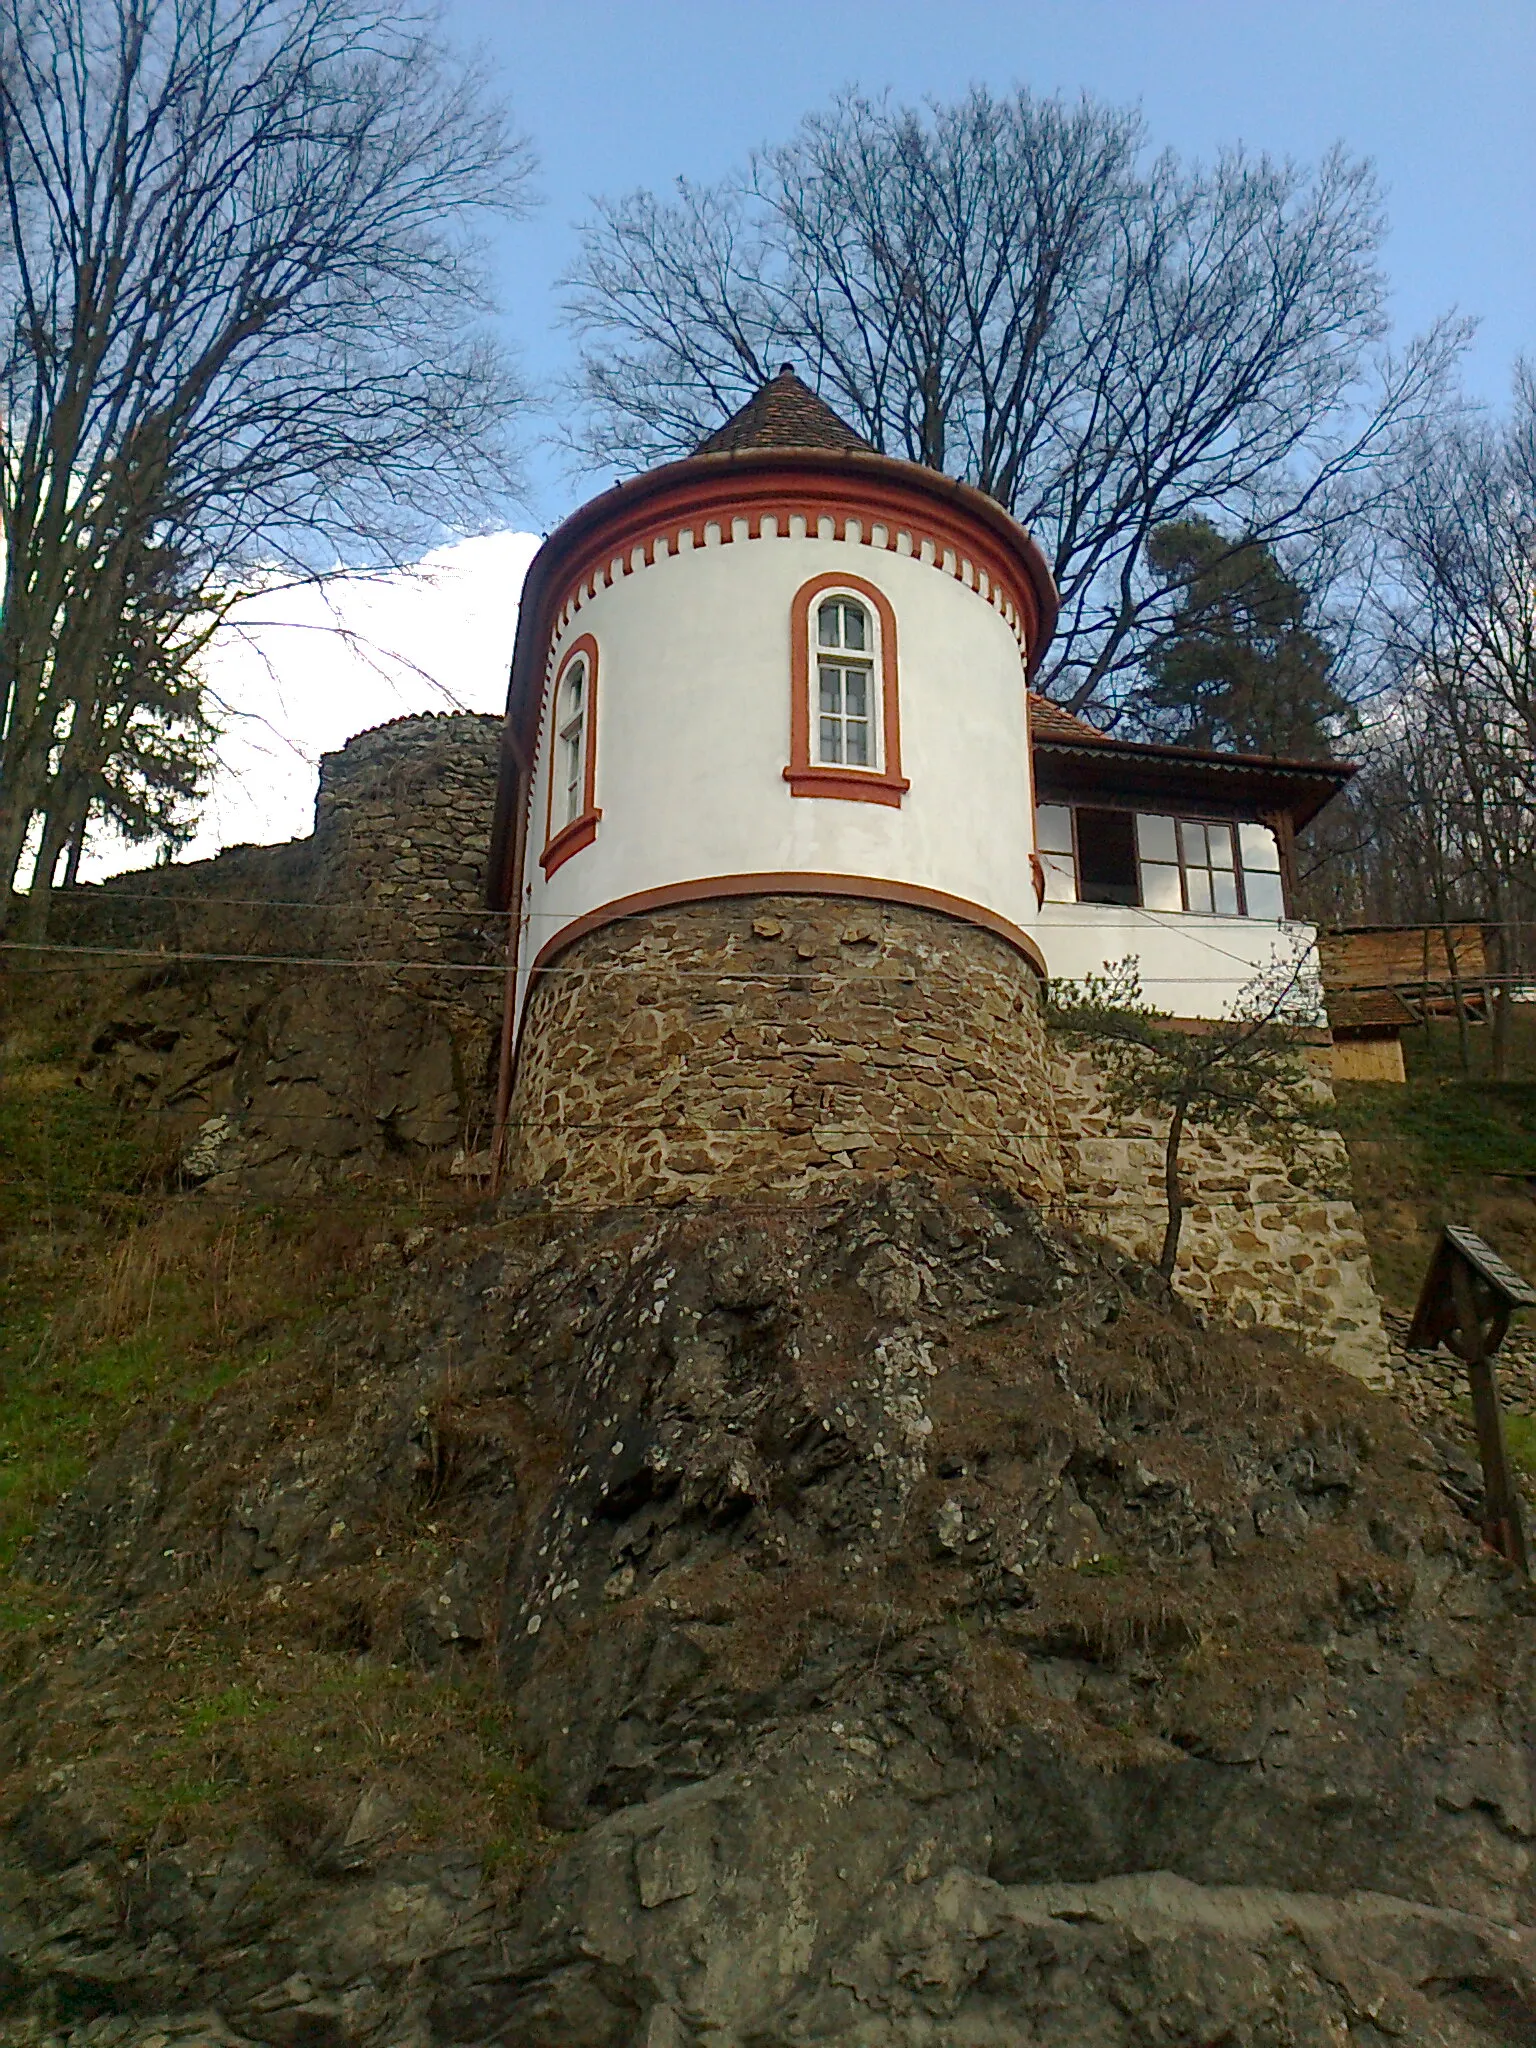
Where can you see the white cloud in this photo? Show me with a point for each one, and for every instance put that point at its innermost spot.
(298, 673)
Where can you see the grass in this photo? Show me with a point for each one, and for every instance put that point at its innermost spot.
(116, 1294)
(120, 1297)
(1447, 1146)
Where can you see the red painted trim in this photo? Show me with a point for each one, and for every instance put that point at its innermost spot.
(884, 785)
(580, 832)
(711, 887)
(855, 785)
(568, 840)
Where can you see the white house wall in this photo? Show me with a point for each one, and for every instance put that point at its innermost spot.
(693, 736)
(1190, 966)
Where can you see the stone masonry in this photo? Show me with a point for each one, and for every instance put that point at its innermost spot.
(1266, 1239)
(776, 1045)
(324, 1010)
(782, 1044)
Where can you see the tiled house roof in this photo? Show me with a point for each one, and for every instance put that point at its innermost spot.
(1048, 721)
(784, 414)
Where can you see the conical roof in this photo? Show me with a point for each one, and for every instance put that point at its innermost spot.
(785, 413)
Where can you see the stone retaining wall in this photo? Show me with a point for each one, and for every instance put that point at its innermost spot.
(1266, 1239)
(782, 1044)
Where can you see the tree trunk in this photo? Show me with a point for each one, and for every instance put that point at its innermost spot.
(32, 923)
(1502, 1007)
(77, 834)
(1458, 997)
(1174, 1192)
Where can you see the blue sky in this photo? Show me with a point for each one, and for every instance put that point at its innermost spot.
(616, 96)
(1440, 96)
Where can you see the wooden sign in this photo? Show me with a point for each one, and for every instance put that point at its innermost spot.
(1467, 1299)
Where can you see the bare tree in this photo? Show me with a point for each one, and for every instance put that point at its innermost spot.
(240, 337)
(1008, 289)
(1460, 630)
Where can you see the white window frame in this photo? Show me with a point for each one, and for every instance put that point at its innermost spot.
(572, 732)
(868, 659)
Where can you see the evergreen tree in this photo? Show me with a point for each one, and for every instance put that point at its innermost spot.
(1242, 667)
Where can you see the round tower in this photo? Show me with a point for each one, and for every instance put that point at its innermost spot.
(764, 827)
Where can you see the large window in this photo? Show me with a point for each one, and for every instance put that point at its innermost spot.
(844, 725)
(571, 813)
(1213, 867)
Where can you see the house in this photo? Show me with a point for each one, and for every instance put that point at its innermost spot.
(1377, 978)
(792, 664)
(790, 849)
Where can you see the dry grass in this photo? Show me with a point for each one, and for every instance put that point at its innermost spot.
(226, 1707)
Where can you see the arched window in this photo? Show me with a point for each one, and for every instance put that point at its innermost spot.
(572, 812)
(845, 731)
(847, 695)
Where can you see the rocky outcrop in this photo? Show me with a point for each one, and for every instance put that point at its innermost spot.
(918, 1628)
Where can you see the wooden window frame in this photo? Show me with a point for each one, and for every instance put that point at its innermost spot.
(1277, 822)
(570, 838)
(885, 784)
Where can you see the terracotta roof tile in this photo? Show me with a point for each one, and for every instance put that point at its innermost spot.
(1048, 721)
(784, 414)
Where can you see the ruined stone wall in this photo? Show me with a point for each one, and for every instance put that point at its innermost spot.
(1266, 1239)
(782, 1044)
(325, 1009)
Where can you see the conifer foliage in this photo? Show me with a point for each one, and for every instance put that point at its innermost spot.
(1242, 666)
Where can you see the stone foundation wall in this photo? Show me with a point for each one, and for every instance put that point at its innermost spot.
(1266, 1239)
(784, 1045)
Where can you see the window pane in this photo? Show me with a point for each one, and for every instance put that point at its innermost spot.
(1198, 882)
(1192, 843)
(831, 739)
(1226, 893)
(857, 743)
(575, 682)
(831, 689)
(1264, 895)
(1106, 855)
(1261, 850)
(853, 627)
(1155, 839)
(826, 626)
(1060, 878)
(1219, 839)
(856, 692)
(1053, 828)
(1160, 887)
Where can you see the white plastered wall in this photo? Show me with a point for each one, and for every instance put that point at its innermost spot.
(692, 736)
(692, 733)
(1190, 966)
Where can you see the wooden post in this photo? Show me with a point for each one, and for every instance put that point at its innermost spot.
(1466, 1302)
(1503, 1522)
